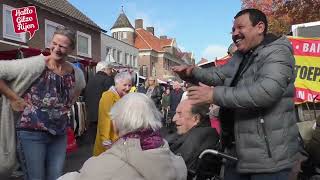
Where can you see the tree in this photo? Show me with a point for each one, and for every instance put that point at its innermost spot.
(302, 11)
(284, 13)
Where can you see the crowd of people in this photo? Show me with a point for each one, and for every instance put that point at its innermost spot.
(157, 132)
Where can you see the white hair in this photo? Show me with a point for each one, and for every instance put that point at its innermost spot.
(135, 111)
(122, 76)
(102, 65)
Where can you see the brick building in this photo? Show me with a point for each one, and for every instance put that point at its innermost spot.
(120, 47)
(156, 54)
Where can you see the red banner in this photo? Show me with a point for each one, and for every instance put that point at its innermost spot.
(303, 95)
(307, 69)
(305, 46)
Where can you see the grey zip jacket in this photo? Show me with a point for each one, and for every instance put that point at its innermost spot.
(262, 102)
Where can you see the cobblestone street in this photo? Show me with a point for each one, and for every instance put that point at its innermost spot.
(75, 160)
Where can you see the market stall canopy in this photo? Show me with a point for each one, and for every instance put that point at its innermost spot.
(29, 52)
(21, 53)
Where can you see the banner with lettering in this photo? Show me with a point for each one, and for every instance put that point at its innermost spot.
(307, 69)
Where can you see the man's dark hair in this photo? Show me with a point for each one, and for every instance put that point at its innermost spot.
(202, 110)
(255, 17)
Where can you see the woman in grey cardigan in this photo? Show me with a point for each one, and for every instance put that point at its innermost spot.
(43, 89)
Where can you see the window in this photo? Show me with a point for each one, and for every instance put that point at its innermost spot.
(166, 64)
(144, 71)
(50, 28)
(108, 50)
(119, 56)
(134, 61)
(131, 60)
(83, 44)
(153, 70)
(114, 53)
(124, 35)
(8, 30)
(108, 54)
(117, 35)
(126, 59)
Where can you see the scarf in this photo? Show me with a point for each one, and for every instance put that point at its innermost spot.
(149, 139)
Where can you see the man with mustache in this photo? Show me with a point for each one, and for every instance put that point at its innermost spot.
(255, 91)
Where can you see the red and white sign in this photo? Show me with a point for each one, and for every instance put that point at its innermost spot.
(25, 20)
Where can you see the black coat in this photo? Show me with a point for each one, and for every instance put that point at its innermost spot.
(175, 98)
(313, 145)
(156, 96)
(96, 86)
(191, 144)
(141, 89)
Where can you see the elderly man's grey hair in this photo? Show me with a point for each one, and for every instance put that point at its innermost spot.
(122, 76)
(135, 111)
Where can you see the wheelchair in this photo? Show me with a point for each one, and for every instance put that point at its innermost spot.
(200, 174)
(309, 170)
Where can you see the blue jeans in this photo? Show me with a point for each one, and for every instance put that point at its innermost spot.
(42, 155)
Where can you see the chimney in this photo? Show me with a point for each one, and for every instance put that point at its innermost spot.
(151, 30)
(163, 37)
(139, 23)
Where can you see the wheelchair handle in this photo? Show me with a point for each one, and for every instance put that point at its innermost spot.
(217, 153)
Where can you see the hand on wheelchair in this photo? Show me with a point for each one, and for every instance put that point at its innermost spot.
(308, 169)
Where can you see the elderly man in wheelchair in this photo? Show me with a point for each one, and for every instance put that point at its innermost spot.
(192, 136)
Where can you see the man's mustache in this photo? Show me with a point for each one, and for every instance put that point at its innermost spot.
(236, 37)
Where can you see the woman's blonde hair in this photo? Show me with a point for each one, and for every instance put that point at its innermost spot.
(151, 78)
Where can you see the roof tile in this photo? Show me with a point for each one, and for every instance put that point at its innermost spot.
(122, 22)
(63, 6)
(145, 40)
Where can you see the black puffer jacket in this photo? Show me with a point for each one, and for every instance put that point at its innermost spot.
(313, 145)
(261, 104)
(191, 144)
(96, 86)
